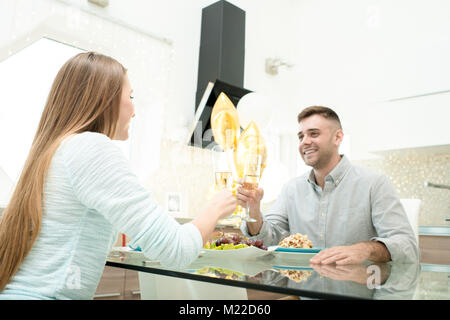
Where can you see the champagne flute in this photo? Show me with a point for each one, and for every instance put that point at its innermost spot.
(222, 172)
(252, 174)
(224, 179)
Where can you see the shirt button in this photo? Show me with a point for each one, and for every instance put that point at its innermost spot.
(323, 214)
(321, 236)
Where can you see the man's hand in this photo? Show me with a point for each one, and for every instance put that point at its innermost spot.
(353, 254)
(251, 197)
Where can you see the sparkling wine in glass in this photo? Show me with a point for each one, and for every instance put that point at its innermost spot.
(222, 174)
(224, 179)
(252, 174)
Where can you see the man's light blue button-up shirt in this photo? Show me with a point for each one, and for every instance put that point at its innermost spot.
(355, 205)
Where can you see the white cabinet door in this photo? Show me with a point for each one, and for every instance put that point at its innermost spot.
(409, 123)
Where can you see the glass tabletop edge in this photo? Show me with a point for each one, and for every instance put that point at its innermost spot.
(234, 283)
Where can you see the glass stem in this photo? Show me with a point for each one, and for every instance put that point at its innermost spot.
(247, 214)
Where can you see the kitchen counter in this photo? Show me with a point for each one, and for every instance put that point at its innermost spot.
(289, 275)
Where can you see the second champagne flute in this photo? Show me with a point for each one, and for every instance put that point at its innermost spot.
(252, 174)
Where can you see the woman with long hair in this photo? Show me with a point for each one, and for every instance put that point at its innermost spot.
(76, 191)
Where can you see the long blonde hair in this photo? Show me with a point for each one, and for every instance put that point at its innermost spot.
(85, 96)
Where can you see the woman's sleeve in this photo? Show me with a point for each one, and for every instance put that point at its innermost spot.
(102, 180)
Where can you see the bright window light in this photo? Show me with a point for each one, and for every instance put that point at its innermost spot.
(25, 81)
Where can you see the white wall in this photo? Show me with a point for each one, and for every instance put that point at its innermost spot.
(351, 55)
(354, 55)
(348, 55)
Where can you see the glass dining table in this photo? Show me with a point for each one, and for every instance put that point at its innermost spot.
(228, 275)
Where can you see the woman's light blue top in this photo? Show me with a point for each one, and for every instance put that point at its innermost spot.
(90, 195)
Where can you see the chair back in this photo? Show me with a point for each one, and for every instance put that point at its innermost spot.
(412, 208)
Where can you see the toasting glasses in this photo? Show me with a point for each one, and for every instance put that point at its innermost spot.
(224, 178)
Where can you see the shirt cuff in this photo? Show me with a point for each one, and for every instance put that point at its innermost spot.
(263, 232)
(196, 235)
(401, 251)
(391, 248)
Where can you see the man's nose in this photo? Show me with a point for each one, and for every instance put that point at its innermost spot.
(306, 141)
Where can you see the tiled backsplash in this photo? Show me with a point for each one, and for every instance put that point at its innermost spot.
(187, 171)
(409, 172)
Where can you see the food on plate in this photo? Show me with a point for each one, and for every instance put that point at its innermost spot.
(296, 275)
(228, 241)
(296, 241)
(220, 273)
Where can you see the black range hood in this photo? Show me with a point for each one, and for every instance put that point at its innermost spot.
(221, 65)
(200, 134)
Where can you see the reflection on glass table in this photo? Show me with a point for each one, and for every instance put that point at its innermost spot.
(228, 277)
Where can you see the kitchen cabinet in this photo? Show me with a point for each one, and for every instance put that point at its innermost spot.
(434, 249)
(131, 287)
(111, 285)
(118, 284)
(409, 123)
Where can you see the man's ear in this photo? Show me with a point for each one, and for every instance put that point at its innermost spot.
(338, 137)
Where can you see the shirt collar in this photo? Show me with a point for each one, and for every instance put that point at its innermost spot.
(337, 174)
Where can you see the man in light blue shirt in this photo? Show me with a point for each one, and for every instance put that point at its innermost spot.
(350, 210)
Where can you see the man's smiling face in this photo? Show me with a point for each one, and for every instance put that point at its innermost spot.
(318, 141)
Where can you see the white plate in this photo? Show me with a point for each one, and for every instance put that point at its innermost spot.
(125, 249)
(243, 253)
(126, 252)
(294, 250)
(292, 257)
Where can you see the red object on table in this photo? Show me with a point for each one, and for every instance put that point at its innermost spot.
(124, 240)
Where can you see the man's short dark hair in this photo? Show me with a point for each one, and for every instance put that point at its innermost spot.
(323, 111)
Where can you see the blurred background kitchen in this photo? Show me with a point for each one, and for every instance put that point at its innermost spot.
(381, 65)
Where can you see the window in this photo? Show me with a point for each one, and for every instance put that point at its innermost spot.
(25, 81)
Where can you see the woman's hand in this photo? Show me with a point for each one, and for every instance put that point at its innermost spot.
(223, 203)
